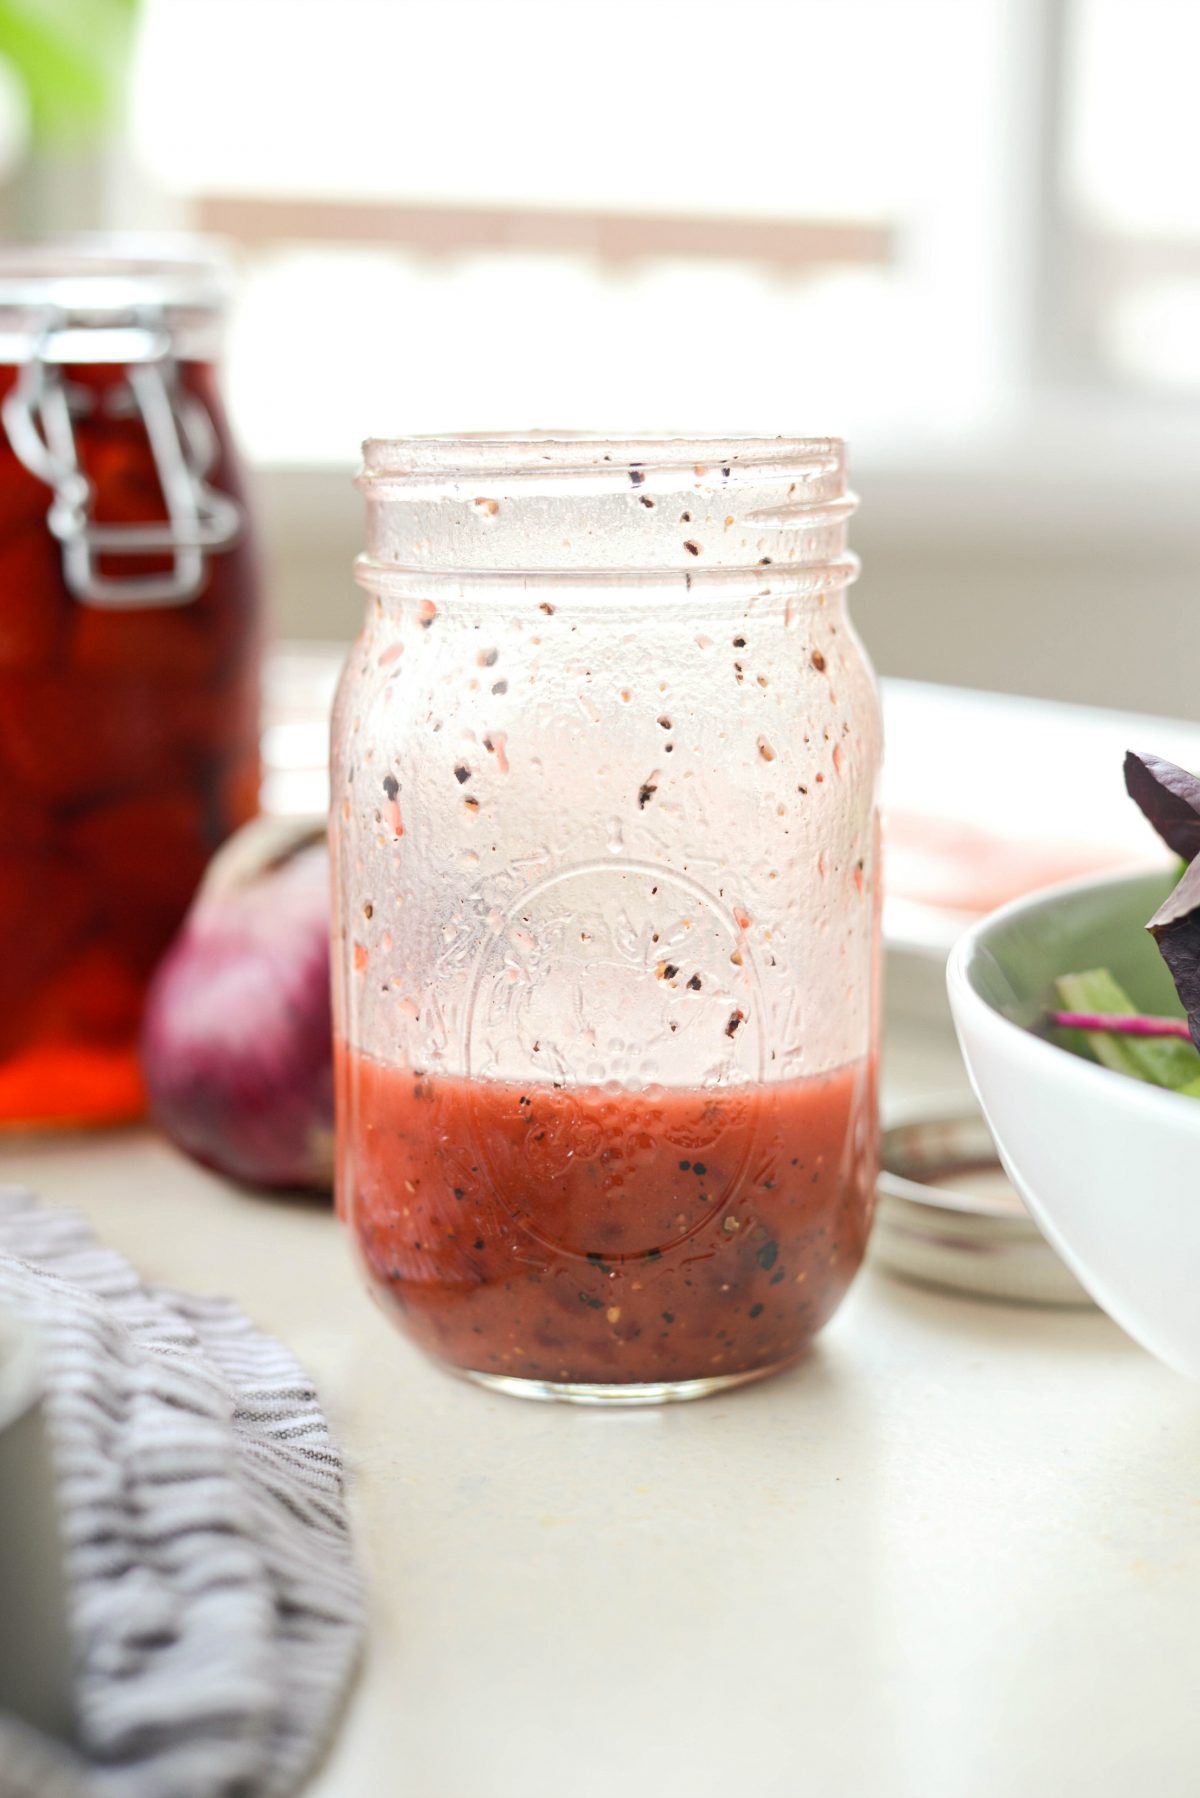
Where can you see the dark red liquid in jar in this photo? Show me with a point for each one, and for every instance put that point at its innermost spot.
(585, 1236)
(128, 752)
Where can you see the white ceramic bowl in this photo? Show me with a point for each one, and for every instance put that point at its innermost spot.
(1109, 1166)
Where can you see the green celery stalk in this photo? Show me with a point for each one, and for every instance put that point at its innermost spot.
(1162, 1061)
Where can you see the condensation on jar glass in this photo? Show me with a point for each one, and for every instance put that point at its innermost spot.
(128, 651)
(604, 824)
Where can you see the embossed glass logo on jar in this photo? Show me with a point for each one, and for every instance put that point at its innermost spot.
(571, 1111)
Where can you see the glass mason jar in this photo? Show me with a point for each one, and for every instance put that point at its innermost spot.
(605, 849)
(128, 652)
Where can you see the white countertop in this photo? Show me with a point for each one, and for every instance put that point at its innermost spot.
(955, 1554)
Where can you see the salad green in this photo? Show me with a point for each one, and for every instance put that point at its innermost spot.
(1096, 1017)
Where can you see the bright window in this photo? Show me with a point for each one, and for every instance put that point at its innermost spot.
(489, 213)
(1131, 197)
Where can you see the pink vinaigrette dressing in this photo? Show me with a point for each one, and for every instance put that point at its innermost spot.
(606, 908)
(580, 1235)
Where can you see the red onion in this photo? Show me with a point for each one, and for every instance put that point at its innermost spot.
(237, 1036)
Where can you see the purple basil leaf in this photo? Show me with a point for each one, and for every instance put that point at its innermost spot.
(1169, 797)
(1175, 927)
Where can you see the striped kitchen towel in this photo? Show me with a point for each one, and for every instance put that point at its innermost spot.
(215, 1608)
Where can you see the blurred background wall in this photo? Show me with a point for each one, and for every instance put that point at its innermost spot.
(963, 233)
